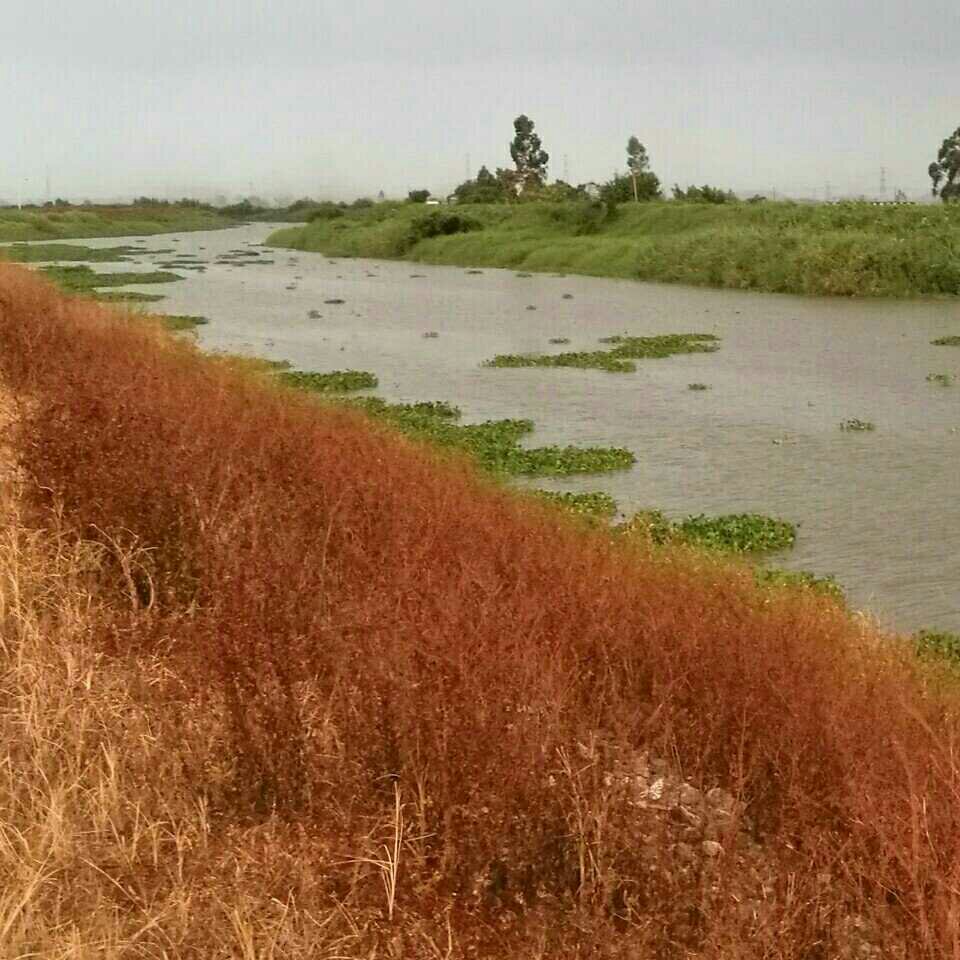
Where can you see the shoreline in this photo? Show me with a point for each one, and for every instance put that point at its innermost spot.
(852, 250)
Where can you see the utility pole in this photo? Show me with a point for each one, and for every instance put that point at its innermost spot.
(467, 168)
(826, 192)
(883, 183)
(566, 168)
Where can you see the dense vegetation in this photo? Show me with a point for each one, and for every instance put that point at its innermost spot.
(94, 220)
(280, 682)
(847, 249)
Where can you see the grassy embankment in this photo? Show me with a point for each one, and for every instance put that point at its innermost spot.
(280, 683)
(106, 221)
(852, 249)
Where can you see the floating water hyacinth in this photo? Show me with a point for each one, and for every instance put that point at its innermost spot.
(336, 381)
(619, 359)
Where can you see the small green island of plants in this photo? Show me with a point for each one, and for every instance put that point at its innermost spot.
(619, 359)
(336, 381)
(730, 533)
(82, 279)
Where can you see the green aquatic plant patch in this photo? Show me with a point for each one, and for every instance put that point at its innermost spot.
(698, 386)
(82, 279)
(939, 644)
(730, 533)
(584, 360)
(494, 443)
(336, 381)
(854, 425)
(593, 504)
(180, 322)
(661, 345)
(620, 359)
(46, 252)
(952, 341)
(825, 586)
(942, 379)
(260, 365)
(127, 296)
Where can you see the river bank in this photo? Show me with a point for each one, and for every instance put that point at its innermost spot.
(850, 249)
(96, 220)
(405, 708)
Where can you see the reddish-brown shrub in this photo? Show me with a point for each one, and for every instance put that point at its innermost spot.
(369, 613)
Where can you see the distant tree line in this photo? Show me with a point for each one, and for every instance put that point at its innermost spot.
(527, 180)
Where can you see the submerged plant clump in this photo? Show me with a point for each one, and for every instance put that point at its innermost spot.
(952, 341)
(620, 358)
(942, 379)
(336, 381)
(698, 386)
(854, 424)
(731, 533)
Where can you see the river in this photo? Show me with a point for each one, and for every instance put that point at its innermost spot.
(879, 510)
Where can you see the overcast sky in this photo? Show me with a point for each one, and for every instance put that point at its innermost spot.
(337, 99)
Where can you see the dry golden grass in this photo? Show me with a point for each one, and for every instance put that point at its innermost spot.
(104, 850)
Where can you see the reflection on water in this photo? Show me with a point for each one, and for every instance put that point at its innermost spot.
(879, 510)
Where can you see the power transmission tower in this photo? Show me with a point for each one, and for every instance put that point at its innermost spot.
(826, 192)
(566, 168)
(883, 182)
(468, 168)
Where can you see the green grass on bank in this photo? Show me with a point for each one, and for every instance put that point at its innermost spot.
(106, 221)
(849, 249)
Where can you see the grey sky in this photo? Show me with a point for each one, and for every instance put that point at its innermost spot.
(122, 97)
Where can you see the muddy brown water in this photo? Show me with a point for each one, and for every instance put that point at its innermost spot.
(880, 510)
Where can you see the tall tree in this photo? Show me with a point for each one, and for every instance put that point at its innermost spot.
(946, 168)
(528, 154)
(637, 162)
